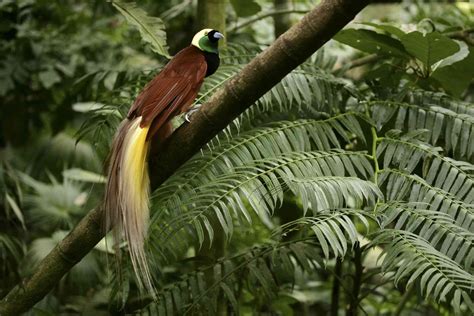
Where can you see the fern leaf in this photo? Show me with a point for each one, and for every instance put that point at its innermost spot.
(437, 228)
(257, 266)
(455, 177)
(308, 89)
(267, 266)
(401, 186)
(152, 29)
(334, 229)
(443, 126)
(267, 141)
(426, 98)
(316, 177)
(411, 257)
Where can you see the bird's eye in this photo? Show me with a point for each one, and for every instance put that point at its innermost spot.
(205, 33)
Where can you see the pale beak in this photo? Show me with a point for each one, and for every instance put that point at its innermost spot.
(218, 35)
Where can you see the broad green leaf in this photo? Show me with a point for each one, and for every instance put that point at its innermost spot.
(110, 79)
(49, 77)
(426, 26)
(230, 296)
(6, 84)
(16, 209)
(152, 29)
(457, 77)
(371, 42)
(84, 107)
(429, 48)
(462, 53)
(387, 28)
(83, 175)
(245, 8)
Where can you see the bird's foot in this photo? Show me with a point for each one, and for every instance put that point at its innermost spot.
(191, 111)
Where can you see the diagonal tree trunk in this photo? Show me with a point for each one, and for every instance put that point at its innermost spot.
(259, 76)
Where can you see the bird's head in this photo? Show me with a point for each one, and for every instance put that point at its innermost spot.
(206, 40)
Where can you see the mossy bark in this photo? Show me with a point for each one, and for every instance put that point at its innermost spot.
(259, 76)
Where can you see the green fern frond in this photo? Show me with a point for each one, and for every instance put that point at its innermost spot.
(267, 141)
(264, 267)
(445, 127)
(322, 193)
(152, 29)
(12, 251)
(316, 177)
(409, 257)
(214, 82)
(101, 123)
(405, 153)
(102, 120)
(53, 205)
(321, 59)
(307, 92)
(309, 89)
(334, 229)
(236, 53)
(425, 98)
(437, 228)
(401, 186)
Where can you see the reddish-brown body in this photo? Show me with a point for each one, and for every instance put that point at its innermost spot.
(171, 92)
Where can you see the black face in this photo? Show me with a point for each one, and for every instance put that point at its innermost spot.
(211, 37)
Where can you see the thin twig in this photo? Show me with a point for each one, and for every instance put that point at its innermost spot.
(261, 16)
(402, 303)
(336, 288)
(357, 282)
(357, 63)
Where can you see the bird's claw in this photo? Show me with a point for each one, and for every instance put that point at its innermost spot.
(191, 111)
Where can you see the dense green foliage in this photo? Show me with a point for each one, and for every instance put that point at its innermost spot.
(340, 190)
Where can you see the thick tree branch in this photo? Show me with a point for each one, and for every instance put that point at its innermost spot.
(259, 76)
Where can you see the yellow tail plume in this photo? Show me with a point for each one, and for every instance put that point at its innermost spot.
(127, 193)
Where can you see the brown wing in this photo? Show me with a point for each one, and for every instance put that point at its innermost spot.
(172, 91)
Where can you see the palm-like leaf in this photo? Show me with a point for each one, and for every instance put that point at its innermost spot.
(444, 126)
(411, 257)
(196, 293)
(317, 177)
(266, 267)
(151, 28)
(406, 153)
(54, 205)
(412, 188)
(309, 89)
(436, 227)
(426, 98)
(267, 141)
